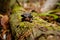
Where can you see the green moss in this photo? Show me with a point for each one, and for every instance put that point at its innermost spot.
(19, 28)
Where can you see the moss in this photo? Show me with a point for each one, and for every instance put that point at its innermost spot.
(19, 28)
